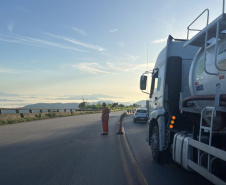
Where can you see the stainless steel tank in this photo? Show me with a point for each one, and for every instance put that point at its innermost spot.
(201, 83)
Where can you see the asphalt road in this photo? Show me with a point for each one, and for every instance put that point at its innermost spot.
(71, 151)
(159, 174)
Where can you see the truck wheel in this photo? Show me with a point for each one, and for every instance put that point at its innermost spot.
(154, 141)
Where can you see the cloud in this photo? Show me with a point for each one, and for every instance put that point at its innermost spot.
(45, 71)
(10, 40)
(121, 44)
(13, 71)
(5, 70)
(131, 57)
(11, 26)
(159, 41)
(114, 30)
(126, 63)
(79, 31)
(96, 97)
(6, 100)
(93, 68)
(112, 66)
(73, 41)
(90, 46)
(2, 94)
(167, 23)
(104, 96)
(125, 67)
(18, 71)
(13, 38)
(79, 98)
(47, 43)
(32, 97)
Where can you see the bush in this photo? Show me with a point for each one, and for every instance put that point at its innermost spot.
(51, 115)
(38, 115)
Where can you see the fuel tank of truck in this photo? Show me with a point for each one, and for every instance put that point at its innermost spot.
(202, 83)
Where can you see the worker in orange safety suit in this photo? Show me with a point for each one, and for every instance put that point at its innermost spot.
(105, 118)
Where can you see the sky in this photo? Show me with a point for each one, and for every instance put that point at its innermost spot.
(56, 51)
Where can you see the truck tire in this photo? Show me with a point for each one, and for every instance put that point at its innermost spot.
(162, 157)
(154, 142)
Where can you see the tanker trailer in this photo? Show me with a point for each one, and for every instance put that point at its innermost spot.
(187, 113)
(207, 73)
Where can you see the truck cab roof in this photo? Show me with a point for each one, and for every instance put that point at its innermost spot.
(175, 47)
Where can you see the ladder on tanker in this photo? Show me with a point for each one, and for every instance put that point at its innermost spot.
(206, 147)
(209, 129)
(212, 153)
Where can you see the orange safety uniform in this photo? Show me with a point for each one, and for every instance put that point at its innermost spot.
(105, 118)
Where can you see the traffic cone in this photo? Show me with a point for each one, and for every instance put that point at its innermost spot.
(120, 128)
(120, 123)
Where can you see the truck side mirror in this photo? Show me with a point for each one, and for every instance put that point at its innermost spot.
(143, 82)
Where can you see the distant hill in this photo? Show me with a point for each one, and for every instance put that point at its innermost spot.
(74, 105)
(100, 102)
(52, 106)
(142, 103)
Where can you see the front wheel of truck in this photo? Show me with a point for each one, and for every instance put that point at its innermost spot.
(154, 142)
(162, 157)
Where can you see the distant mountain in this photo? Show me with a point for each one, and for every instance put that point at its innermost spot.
(142, 102)
(100, 102)
(52, 106)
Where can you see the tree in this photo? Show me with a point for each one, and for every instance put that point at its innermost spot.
(135, 105)
(82, 105)
(121, 105)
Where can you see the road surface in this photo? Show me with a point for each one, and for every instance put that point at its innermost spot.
(168, 174)
(70, 150)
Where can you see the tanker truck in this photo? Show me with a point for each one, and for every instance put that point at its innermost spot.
(187, 105)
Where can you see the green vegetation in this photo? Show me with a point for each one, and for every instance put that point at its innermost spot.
(85, 106)
(42, 116)
(12, 121)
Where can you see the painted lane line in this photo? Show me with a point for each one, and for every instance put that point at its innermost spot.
(124, 163)
(138, 171)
